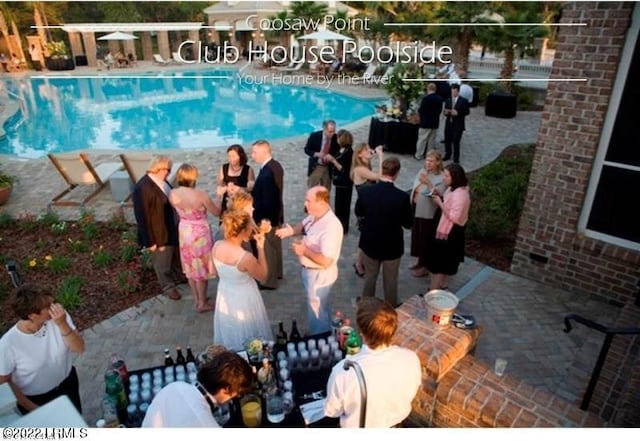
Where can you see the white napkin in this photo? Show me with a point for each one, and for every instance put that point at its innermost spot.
(313, 411)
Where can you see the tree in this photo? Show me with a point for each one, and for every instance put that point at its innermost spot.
(509, 39)
(463, 36)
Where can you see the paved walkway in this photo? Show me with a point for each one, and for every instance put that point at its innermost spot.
(522, 320)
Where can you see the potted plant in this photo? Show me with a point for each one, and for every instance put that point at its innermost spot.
(59, 56)
(404, 93)
(6, 186)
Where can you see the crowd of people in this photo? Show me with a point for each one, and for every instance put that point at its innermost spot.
(246, 256)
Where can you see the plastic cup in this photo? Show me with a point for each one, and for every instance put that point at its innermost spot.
(500, 366)
(251, 409)
(222, 414)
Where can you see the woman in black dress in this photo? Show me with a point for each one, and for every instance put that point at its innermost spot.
(340, 169)
(234, 175)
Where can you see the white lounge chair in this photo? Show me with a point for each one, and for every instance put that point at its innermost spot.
(175, 57)
(157, 59)
(77, 170)
(295, 68)
(368, 73)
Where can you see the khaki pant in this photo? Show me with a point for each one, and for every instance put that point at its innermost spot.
(426, 142)
(320, 176)
(390, 270)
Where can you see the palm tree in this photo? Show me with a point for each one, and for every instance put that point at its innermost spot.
(463, 36)
(508, 39)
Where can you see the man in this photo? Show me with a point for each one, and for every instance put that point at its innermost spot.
(455, 110)
(181, 404)
(157, 224)
(392, 374)
(318, 252)
(429, 111)
(385, 210)
(318, 145)
(268, 204)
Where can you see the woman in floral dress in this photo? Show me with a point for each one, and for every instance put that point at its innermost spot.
(194, 233)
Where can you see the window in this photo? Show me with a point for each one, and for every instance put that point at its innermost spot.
(610, 212)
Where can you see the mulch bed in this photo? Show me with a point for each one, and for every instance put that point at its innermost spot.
(102, 295)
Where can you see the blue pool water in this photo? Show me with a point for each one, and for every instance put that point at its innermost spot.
(164, 111)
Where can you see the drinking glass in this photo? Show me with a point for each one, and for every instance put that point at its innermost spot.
(222, 414)
(251, 408)
(275, 407)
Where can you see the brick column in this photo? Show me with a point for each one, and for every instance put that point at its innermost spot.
(76, 44)
(90, 46)
(147, 46)
(163, 45)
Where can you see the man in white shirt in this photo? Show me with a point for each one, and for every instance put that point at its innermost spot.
(181, 404)
(392, 374)
(318, 252)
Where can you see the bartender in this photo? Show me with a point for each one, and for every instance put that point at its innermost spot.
(181, 404)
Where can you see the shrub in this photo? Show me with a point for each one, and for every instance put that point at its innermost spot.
(129, 282)
(59, 227)
(118, 222)
(102, 258)
(497, 195)
(57, 264)
(6, 220)
(69, 293)
(78, 246)
(50, 219)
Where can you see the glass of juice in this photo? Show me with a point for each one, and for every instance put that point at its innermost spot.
(251, 408)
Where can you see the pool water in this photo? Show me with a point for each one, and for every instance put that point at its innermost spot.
(184, 110)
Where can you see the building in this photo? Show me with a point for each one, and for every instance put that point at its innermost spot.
(580, 228)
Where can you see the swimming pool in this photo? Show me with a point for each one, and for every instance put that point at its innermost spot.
(186, 110)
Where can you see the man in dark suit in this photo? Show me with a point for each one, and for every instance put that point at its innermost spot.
(429, 111)
(385, 210)
(158, 226)
(455, 110)
(318, 145)
(268, 204)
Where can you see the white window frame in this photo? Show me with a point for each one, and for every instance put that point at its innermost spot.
(599, 162)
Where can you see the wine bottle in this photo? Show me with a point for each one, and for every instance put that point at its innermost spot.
(281, 337)
(295, 334)
(179, 357)
(190, 357)
(168, 361)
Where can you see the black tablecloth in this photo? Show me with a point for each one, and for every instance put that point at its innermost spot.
(395, 136)
(60, 64)
(501, 105)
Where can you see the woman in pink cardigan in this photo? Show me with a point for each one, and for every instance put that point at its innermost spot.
(448, 247)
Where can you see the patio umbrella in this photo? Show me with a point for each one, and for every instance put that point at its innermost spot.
(118, 36)
(325, 35)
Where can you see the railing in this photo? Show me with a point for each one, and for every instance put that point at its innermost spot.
(609, 334)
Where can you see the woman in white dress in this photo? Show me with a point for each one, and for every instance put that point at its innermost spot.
(240, 313)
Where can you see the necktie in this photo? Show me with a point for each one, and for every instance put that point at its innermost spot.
(325, 149)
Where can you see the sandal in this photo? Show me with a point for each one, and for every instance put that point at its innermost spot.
(357, 271)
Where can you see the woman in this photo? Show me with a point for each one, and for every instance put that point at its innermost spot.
(234, 175)
(35, 354)
(194, 233)
(448, 247)
(240, 313)
(427, 213)
(361, 175)
(341, 168)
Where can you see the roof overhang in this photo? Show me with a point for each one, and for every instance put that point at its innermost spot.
(131, 27)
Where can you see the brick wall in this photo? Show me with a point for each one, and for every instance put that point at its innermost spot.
(460, 391)
(572, 122)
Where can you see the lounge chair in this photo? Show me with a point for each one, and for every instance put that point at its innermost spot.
(175, 57)
(136, 166)
(295, 68)
(368, 73)
(77, 170)
(157, 59)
